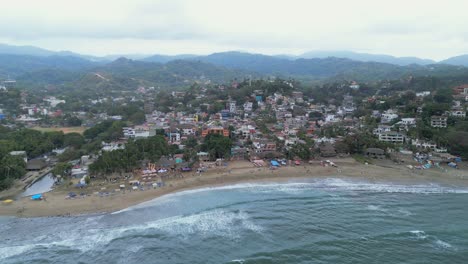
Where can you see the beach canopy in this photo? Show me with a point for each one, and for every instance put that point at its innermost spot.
(275, 163)
(36, 197)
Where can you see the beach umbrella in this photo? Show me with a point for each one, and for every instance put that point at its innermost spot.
(36, 197)
(9, 201)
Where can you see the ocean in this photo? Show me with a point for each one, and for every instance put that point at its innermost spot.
(309, 221)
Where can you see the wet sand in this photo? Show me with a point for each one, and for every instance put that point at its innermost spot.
(237, 172)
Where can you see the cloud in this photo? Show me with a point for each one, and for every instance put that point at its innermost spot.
(420, 28)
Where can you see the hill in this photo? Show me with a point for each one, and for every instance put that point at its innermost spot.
(167, 58)
(366, 57)
(320, 68)
(16, 65)
(461, 60)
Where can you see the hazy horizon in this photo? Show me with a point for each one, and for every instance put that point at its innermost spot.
(398, 28)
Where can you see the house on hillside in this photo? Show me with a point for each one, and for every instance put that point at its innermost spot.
(393, 137)
(439, 121)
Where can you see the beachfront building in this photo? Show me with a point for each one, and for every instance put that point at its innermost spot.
(36, 165)
(375, 153)
(327, 150)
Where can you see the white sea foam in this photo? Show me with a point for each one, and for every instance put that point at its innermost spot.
(432, 239)
(333, 183)
(6, 252)
(442, 244)
(376, 208)
(211, 223)
(330, 184)
(419, 234)
(216, 222)
(404, 212)
(238, 261)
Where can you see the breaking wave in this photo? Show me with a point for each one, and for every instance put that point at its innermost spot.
(328, 184)
(211, 223)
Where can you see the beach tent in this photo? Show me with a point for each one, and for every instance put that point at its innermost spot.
(36, 197)
(275, 163)
(9, 201)
(452, 164)
(80, 185)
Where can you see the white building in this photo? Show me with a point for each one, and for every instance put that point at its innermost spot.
(458, 113)
(423, 94)
(408, 121)
(439, 121)
(393, 137)
(111, 146)
(388, 117)
(382, 129)
(128, 132)
(232, 107)
(54, 101)
(330, 119)
(248, 106)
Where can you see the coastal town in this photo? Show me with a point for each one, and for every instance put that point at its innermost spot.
(142, 140)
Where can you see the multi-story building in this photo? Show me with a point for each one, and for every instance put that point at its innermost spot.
(439, 121)
(393, 137)
(215, 130)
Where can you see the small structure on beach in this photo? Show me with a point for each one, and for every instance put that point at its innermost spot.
(8, 201)
(274, 163)
(36, 197)
(36, 165)
(375, 153)
(327, 150)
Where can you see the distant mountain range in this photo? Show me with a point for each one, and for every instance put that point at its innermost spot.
(461, 60)
(35, 66)
(402, 61)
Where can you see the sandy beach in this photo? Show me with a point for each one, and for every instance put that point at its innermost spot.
(56, 203)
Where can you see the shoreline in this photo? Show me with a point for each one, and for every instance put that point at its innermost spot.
(236, 173)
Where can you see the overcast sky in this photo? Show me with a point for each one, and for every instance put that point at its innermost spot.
(428, 29)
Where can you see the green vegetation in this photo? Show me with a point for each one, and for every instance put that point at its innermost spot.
(126, 160)
(11, 168)
(218, 146)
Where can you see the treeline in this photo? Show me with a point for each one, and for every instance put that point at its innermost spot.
(126, 160)
(35, 144)
(11, 168)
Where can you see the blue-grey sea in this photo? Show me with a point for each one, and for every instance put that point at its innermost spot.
(311, 221)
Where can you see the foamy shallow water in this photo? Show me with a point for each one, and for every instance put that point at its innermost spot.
(316, 221)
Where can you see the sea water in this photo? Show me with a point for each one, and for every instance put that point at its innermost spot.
(315, 221)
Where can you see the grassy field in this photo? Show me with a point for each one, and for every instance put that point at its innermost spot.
(65, 130)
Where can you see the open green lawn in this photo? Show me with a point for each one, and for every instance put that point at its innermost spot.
(65, 130)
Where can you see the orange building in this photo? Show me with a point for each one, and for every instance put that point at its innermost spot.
(215, 130)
